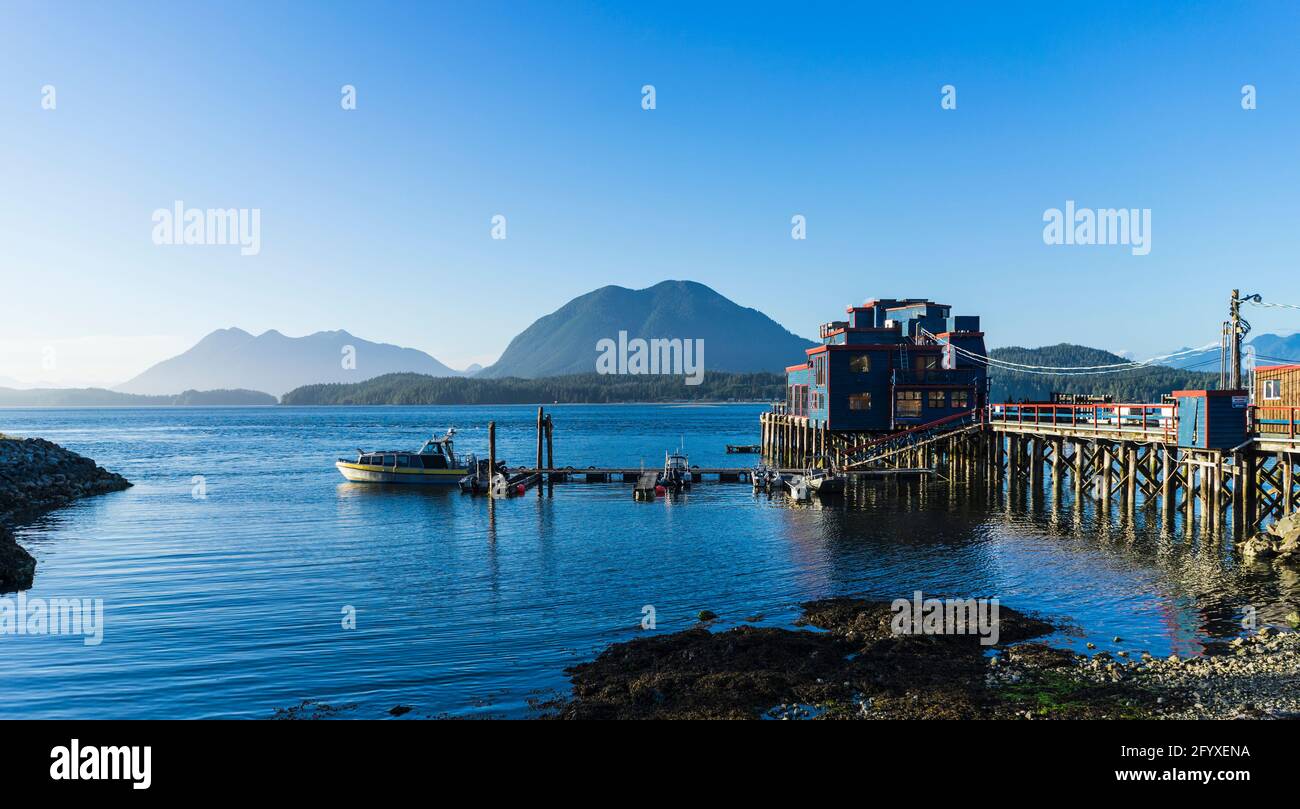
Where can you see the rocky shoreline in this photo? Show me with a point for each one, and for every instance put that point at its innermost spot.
(37, 476)
(1280, 543)
(857, 668)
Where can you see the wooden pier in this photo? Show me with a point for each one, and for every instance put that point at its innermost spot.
(1124, 457)
(1119, 456)
(522, 478)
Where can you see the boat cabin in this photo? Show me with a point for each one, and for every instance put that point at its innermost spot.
(406, 460)
(436, 453)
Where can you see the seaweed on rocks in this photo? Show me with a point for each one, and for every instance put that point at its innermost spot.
(858, 667)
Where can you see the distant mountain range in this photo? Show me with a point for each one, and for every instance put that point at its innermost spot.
(1270, 349)
(99, 397)
(736, 338)
(272, 362)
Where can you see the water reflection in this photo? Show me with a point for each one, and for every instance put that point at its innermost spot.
(229, 606)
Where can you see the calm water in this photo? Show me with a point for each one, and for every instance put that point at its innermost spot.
(231, 606)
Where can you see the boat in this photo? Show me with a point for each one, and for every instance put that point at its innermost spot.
(677, 471)
(647, 487)
(433, 464)
(733, 449)
(478, 478)
(824, 482)
(765, 478)
(798, 488)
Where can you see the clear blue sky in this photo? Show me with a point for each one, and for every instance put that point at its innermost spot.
(377, 220)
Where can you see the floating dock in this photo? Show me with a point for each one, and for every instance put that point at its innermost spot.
(595, 474)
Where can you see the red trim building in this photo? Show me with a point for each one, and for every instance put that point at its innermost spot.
(893, 363)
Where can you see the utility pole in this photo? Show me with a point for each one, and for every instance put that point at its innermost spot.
(1235, 335)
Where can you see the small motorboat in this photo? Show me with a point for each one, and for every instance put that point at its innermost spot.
(798, 488)
(434, 464)
(824, 482)
(733, 449)
(677, 472)
(766, 478)
(647, 487)
(478, 480)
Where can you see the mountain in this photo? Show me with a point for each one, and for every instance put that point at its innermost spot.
(1270, 349)
(1144, 384)
(417, 389)
(735, 338)
(233, 358)
(99, 397)
(1275, 349)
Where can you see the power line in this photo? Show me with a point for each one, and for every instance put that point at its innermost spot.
(1121, 365)
(1271, 305)
(1067, 370)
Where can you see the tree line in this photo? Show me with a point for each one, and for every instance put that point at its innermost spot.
(419, 389)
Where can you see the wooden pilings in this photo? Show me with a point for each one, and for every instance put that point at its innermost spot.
(550, 446)
(1235, 489)
(492, 456)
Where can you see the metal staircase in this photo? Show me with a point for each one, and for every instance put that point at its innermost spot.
(861, 456)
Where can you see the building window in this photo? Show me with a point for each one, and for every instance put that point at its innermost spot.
(961, 398)
(935, 399)
(819, 370)
(1272, 389)
(907, 403)
(860, 364)
(927, 362)
(860, 401)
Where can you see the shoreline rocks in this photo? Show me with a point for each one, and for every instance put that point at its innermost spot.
(17, 566)
(855, 668)
(858, 669)
(1258, 679)
(37, 476)
(1281, 542)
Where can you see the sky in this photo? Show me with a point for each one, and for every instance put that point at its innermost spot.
(378, 219)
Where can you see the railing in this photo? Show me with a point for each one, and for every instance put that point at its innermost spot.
(1145, 420)
(1275, 420)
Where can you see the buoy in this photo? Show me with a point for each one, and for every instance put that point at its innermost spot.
(521, 488)
(659, 489)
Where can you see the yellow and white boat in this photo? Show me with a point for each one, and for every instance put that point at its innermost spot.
(435, 464)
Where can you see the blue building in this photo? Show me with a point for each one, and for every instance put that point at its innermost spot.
(890, 365)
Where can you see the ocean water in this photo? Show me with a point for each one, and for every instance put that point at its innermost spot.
(233, 604)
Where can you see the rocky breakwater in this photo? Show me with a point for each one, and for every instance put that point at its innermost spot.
(37, 476)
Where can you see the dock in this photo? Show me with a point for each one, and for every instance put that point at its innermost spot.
(1206, 456)
(703, 474)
